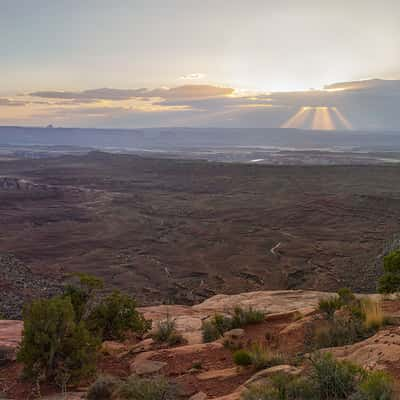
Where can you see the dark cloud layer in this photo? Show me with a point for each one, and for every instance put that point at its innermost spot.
(180, 92)
(11, 103)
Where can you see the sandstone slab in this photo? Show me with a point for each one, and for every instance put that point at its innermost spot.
(269, 372)
(220, 374)
(147, 367)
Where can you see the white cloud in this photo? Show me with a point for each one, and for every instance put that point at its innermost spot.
(193, 77)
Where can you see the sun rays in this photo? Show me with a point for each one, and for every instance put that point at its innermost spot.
(318, 118)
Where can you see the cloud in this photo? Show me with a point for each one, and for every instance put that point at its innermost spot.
(92, 95)
(193, 77)
(180, 92)
(218, 103)
(367, 105)
(369, 85)
(12, 103)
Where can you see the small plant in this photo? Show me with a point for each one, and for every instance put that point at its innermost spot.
(390, 280)
(258, 356)
(334, 379)
(197, 365)
(282, 387)
(115, 316)
(262, 358)
(373, 314)
(243, 317)
(346, 296)
(262, 392)
(216, 327)
(219, 324)
(339, 332)
(376, 385)
(102, 389)
(209, 332)
(166, 332)
(222, 323)
(242, 358)
(329, 306)
(357, 320)
(135, 388)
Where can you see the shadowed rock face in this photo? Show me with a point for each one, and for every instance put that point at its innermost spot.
(181, 231)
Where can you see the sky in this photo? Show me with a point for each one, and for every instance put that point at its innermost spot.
(255, 63)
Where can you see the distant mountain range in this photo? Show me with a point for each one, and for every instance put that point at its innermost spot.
(178, 138)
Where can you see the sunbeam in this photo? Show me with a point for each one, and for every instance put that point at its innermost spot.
(297, 120)
(318, 118)
(345, 122)
(322, 119)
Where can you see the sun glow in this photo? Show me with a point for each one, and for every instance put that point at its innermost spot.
(318, 118)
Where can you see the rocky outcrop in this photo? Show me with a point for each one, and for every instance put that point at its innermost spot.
(381, 351)
(189, 320)
(270, 302)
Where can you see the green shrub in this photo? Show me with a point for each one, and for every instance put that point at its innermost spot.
(243, 317)
(291, 387)
(219, 324)
(81, 293)
(258, 356)
(89, 282)
(329, 306)
(339, 332)
(282, 387)
(115, 316)
(390, 280)
(376, 385)
(209, 332)
(358, 319)
(222, 323)
(166, 333)
(102, 389)
(136, 388)
(79, 299)
(216, 327)
(242, 358)
(346, 296)
(372, 314)
(262, 358)
(262, 392)
(54, 345)
(334, 379)
(328, 379)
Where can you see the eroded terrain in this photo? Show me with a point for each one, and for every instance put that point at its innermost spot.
(180, 231)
